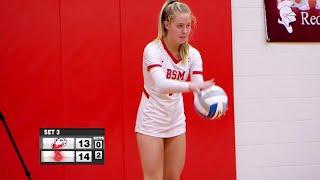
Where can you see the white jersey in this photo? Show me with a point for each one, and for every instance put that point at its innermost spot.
(162, 115)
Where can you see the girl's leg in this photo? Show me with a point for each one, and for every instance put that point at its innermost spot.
(151, 150)
(174, 157)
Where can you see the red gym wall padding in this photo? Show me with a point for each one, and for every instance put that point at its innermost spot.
(29, 82)
(78, 64)
(91, 79)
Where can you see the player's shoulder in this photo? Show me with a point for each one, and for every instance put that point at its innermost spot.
(153, 46)
(193, 52)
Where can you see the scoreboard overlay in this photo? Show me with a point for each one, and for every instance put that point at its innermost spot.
(72, 146)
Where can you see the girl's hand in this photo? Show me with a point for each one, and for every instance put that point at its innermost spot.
(198, 86)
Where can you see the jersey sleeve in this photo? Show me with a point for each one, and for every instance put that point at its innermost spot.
(196, 68)
(164, 85)
(151, 57)
(196, 63)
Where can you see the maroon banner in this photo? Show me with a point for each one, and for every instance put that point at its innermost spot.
(293, 21)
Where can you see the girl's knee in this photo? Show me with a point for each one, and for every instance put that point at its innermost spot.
(156, 176)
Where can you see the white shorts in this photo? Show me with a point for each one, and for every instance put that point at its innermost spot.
(160, 120)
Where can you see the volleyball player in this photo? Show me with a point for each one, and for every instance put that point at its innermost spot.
(167, 63)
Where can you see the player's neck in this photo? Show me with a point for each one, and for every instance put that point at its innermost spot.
(172, 46)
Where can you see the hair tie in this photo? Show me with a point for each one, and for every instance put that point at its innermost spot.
(171, 2)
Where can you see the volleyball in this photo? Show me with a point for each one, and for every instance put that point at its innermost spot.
(211, 103)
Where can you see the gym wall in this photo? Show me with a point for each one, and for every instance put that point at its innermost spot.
(277, 95)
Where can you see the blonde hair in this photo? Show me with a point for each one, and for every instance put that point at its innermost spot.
(167, 13)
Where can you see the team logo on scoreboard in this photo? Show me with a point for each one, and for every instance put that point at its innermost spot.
(57, 144)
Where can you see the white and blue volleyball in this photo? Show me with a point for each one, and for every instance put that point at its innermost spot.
(210, 103)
